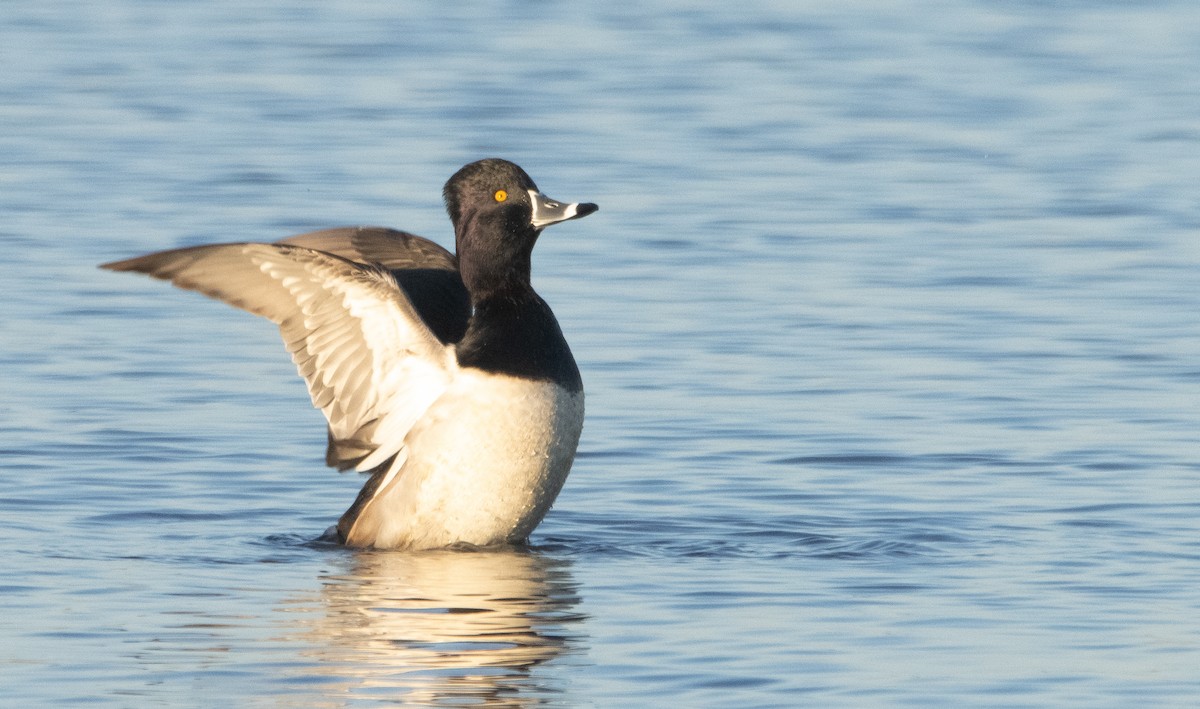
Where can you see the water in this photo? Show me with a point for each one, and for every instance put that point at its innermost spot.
(888, 323)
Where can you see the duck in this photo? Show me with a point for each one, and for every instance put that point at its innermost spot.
(443, 376)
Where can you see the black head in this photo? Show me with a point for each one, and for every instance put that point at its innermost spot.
(498, 213)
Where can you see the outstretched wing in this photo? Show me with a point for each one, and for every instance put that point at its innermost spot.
(427, 272)
(390, 248)
(371, 364)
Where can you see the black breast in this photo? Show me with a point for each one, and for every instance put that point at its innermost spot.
(519, 337)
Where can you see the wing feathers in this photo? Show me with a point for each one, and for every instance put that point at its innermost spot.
(371, 364)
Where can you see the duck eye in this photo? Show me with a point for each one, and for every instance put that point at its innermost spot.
(500, 195)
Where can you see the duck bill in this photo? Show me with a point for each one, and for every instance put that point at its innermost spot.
(547, 211)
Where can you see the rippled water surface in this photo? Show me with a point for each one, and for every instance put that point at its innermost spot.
(889, 323)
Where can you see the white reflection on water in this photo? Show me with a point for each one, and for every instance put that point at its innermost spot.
(437, 627)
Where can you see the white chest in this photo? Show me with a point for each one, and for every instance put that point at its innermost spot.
(483, 465)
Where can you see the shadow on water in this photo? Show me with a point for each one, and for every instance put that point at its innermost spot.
(439, 627)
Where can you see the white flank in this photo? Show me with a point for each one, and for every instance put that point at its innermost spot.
(484, 465)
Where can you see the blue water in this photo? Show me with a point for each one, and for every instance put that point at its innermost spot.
(889, 323)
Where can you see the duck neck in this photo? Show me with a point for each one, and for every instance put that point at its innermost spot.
(494, 268)
(486, 282)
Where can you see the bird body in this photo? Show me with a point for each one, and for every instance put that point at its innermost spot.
(447, 378)
(509, 443)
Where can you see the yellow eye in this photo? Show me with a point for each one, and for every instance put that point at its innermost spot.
(500, 195)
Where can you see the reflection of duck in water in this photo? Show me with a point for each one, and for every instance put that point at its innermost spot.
(440, 626)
